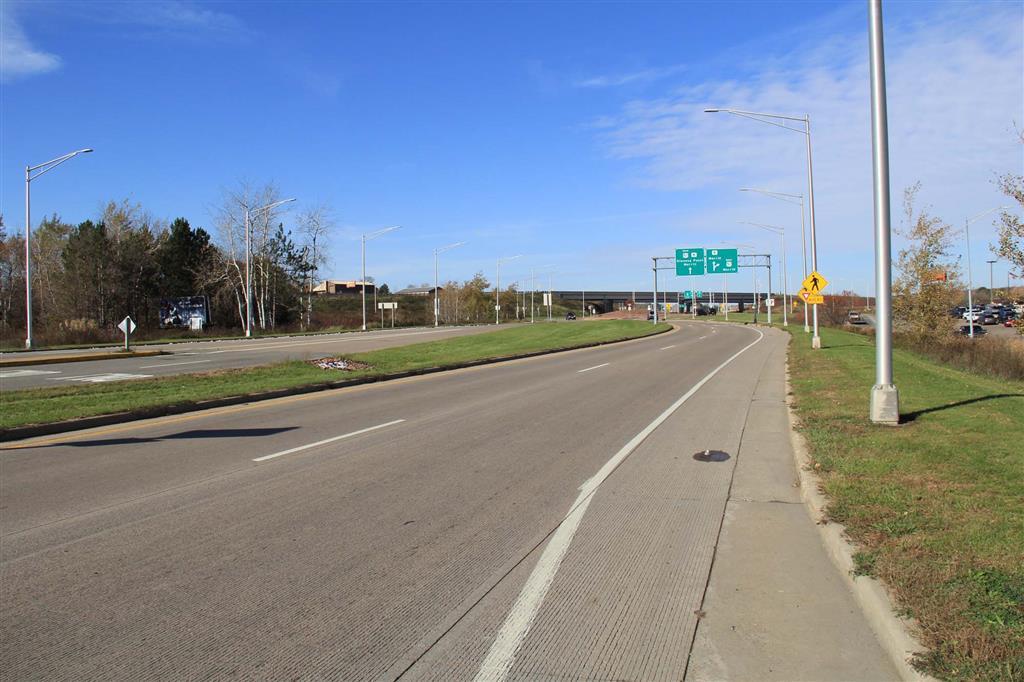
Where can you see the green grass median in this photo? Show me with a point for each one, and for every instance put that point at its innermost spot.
(937, 503)
(48, 405)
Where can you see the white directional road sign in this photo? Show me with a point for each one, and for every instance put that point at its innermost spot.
(127, 325)
(689, 262)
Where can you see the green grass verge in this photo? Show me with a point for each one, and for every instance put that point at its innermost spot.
(936, 504)
(48, 405)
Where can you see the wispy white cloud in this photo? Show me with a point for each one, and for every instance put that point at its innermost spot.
(178, 18)
(955, 90)
(19, 58)
(630, 78)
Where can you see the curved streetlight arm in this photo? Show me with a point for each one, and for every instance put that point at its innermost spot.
(771, 228)
(449, 247)
(374, 235)
(781, 196)
(52, 163)
(262, 209)
(981, 215)
(760, 116)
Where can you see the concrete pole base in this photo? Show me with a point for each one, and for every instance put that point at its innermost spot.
(816, 342)
(885, 404)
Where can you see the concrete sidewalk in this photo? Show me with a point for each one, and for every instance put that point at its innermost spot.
(776, 607)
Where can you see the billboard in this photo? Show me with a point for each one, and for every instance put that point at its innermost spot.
(189, 312)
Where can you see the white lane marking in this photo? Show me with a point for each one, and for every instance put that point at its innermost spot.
(101, 378)
(594, 367)
(667, 347)
(172, 364)
(12, 373)
(701, 338)
(501, 656)
(326, 441)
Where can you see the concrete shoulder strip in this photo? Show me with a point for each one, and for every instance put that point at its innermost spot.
(893, 632)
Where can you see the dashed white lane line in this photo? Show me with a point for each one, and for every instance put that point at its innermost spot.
(594, 367)
(172, 364)
(326, 441)
(13, 373)
(501, 656)
(701, 338)
(667, 347)
(102, 378)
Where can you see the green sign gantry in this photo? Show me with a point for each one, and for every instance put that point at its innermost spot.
(689, 262)
(693, 294)
(722, 261)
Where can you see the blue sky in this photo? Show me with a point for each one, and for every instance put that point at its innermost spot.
(572, 133)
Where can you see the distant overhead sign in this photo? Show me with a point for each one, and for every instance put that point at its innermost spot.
(722, 261)
(689, 262)
(692, 294)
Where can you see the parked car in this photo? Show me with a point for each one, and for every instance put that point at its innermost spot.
(570, 315)
(989, 318)
(966, 330)
(972, 315)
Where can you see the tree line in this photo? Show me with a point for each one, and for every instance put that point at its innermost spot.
(87, 277)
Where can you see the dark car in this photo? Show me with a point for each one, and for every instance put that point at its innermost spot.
(989, 318)
(966, 330)
(570, 315)
(650, 314)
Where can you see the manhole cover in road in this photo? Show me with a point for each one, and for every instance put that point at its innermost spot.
(711, 456)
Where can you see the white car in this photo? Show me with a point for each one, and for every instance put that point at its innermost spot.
(972, 315)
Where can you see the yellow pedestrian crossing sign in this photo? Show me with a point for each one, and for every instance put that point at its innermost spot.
(811, 298)
(815, 282)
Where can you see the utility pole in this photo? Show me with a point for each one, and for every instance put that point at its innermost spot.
(885, 399)
(991, 282)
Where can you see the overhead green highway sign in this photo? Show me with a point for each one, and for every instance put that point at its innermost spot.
(689, 262)
(722, 261)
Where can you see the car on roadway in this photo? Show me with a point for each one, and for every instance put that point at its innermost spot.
(570, 315)
(854, 317)
(966, 330)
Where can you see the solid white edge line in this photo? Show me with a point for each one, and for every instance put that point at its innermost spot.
(326, 441)
(510, 637)
(594, 367)
(667, 347)
(147, 367)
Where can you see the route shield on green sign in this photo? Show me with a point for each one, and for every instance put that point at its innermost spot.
(722, 261)
(689, 262)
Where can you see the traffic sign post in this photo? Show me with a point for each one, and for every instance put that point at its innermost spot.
(811, 298)
(390, 305)
(127, 326)
(815, 282)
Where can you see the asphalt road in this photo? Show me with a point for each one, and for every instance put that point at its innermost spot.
(536, 519)
(205, 356)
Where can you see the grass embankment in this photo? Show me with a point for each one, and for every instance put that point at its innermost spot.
(41, 406)
(936, 504)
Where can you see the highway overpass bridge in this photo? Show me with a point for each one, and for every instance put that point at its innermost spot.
(607, 301)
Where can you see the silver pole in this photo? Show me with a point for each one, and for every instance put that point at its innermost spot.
(533, 287)
(28, 260)
(248, 277)
(885, 407)
(768, 308)
(991, 283)
(362, 284)
(497, 288)
(785, 283)
(654, 297)
(551, 300)
(815, 340)
(435, 288)
(726, 298)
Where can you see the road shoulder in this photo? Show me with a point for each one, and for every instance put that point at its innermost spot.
(776, 607)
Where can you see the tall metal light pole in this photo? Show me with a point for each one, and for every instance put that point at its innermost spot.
(885, 399)
(42, 168)
(991, 282)
(788, 198)
(362, 284)
(248, 259)
(437, 304)
(970, 274)
(497, 286)
(806, 132)
(781, 231)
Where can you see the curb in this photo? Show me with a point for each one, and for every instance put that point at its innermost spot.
(34, 430)
(56, 360)
(892, 631)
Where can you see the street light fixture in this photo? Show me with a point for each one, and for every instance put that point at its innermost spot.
(806, 132)
(788, 198)
(970, 276)
(497, 287)
(362, 284)
(437, 305)
(781, 231)
(42, 168)
(248, 259)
